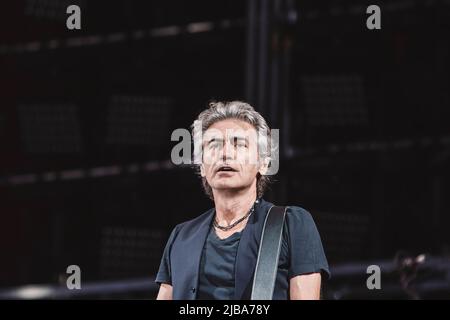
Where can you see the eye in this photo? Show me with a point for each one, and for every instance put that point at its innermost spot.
(239, 142)
(214, 145)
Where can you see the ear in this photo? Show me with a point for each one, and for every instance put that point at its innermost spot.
(264, 166)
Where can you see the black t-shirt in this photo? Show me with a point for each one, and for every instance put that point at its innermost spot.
(216, 277)
(301, 253)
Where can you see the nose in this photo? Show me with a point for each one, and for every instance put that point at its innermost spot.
(228, 151)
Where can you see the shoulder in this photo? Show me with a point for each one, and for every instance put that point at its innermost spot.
(299, 214)
(300, 222)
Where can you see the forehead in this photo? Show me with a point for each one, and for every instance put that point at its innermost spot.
(234, 127)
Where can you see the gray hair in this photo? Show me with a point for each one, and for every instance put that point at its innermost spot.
(240, 110)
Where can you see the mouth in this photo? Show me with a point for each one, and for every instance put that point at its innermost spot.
(225, 169)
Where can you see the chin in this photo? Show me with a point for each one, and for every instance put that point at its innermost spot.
(222, 186)
(228, 186)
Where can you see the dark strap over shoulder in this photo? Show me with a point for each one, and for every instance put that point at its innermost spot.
(269, 252)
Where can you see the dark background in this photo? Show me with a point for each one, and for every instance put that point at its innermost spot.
(86, 118)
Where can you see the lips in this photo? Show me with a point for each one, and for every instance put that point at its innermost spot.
(225, 168)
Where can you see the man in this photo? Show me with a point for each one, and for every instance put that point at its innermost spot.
(214, 255)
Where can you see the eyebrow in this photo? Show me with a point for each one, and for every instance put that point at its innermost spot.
(214, 139)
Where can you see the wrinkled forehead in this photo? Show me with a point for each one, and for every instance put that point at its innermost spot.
(230, 133)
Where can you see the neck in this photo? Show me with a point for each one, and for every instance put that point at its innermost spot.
(233, 206)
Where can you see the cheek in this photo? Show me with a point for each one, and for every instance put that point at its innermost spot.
(247, 157)
(249, 172)
(209, 158)
(209, 170)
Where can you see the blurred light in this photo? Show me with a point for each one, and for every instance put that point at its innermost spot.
(32, 292)
(165, 31)
(151, 166)
(72, 174)
(168, 31)
(93, 40)
(33, 46)
(200, 27)
(22, 179)
(105, 171)
(420, 258)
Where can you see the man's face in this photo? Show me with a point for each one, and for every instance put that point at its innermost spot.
(230, 155)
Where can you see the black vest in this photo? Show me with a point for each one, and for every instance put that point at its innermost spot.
(186, 250)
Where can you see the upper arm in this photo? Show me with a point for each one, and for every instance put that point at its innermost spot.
(305, 287)
(165, 292)
(304, 245)
(164, 275)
